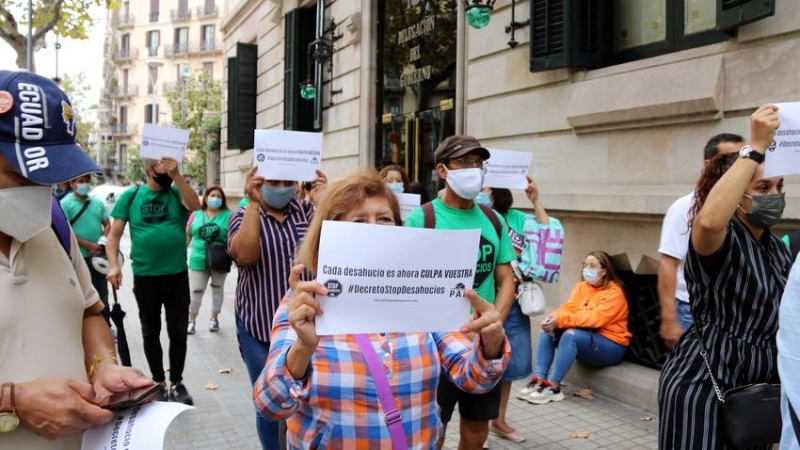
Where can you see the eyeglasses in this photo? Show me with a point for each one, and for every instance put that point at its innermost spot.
(466, 163)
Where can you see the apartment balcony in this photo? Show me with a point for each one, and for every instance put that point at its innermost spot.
(152, 51)
(171, 86)
(181, 15)
(125, 21)
(206, 47)
(207, 12)
(176, 49)
(126, 54)
(130, 90)
(153, 16)
(124, 129)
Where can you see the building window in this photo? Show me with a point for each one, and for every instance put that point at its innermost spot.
(301, 28)
(242, 96)
(153, 41)
(207, 36)
(125, 76)
(151, 113)
(208, 67)
(123, 157)
(181, 42)
(152, 78)
(591, 34)
(154, 10)
(125, 45)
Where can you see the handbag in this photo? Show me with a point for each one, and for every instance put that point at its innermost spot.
(392, 416)
(750, 415)
(217, 258)
(531, 298)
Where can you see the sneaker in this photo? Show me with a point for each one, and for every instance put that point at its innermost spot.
(179, 394)
(529, 388)
(213, 325)
(545, 394)
(164, 395)
(190, 328)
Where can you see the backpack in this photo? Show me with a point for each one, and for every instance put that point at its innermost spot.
(60, 226)
(430, 217)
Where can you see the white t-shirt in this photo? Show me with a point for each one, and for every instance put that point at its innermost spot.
(675, 239)
(43, 296)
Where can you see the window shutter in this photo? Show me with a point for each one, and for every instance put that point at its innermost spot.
(735, 13)
(242, 96)
(569, 33)
(298, 113)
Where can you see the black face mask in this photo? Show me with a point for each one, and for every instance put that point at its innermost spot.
(163, 180)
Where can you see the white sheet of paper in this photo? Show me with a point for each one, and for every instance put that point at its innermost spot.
(158, 141)
(394, 279)
(783, 157)
(507, 169)
(287, 155)
(138, 428)
(408, 203)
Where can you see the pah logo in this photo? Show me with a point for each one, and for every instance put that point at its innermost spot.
(69, 117)
(771, 148)
(458, 291)
(334, 288)
(260, 157)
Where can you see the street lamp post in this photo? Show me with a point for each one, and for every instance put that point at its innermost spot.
(153, 80)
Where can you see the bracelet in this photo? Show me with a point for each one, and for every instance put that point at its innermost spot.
(109, 355)
(2, 396)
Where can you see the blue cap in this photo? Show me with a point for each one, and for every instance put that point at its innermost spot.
(37, 130)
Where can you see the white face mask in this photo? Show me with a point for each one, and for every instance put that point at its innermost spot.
(26, 211)
(466, 183)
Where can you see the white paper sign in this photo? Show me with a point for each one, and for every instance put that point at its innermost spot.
(394, 279)
(158, 141)
(287, 155)
(408, 203)
(138, 428)
(507, 169)
(783, 156)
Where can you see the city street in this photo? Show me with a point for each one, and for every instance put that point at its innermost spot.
(224, 417)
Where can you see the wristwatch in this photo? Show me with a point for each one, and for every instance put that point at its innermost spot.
(748, 152)
(9, 421)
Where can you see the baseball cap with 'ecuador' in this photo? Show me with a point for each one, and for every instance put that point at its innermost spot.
(37, 130)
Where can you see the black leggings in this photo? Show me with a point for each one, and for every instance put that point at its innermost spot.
(171, 291)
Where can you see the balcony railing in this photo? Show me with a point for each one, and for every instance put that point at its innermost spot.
(126, 54)
(130, 90)
(205, 12)
(177, 49)
(206, 47)
(154, 16)
(124, 129)
(171, 86)
(124, 21)
(181, 15)
(152, 51)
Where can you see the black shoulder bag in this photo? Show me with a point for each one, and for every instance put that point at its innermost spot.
(750, 415)
(217, 257)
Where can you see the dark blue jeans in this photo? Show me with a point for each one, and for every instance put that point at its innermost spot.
(574, 343)
(254, 353)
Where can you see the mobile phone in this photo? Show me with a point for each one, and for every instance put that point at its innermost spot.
(135, 397)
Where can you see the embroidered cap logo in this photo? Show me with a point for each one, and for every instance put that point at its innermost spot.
(69, 117)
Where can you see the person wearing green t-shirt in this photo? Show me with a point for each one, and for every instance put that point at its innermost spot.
(460, 162)
(157, 213)
(208, 226)
(89, 220)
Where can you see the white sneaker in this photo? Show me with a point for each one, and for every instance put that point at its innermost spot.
(190, 328)
(544, 395)
(528, 389)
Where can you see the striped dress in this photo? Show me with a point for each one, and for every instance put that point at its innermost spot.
(735, 296)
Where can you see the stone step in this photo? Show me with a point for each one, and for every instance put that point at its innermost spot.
(627, 382)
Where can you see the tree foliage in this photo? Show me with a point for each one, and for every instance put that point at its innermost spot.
(79, 94)
(196, 106)
(68, 18)
(134, 167)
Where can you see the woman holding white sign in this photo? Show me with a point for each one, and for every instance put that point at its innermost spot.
(332, 389)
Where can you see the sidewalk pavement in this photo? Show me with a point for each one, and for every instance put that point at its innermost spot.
(224, 418)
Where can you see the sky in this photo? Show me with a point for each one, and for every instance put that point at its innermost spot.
(73, 58)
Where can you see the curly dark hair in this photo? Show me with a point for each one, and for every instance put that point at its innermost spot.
(712, 172)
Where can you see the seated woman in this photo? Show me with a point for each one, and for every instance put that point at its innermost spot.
(592, 326)
(322, 385)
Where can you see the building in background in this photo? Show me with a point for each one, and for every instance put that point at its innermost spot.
(151, 47)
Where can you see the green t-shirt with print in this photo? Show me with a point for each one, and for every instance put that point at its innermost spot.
(157, 223)
(204, 229)
(89, 225)
(244, 202)
(492, 250)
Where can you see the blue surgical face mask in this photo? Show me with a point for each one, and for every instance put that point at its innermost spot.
(278, 197)
(396, 187)
(484, 198)
(214, 202)
(83, 189)
(590, 274)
